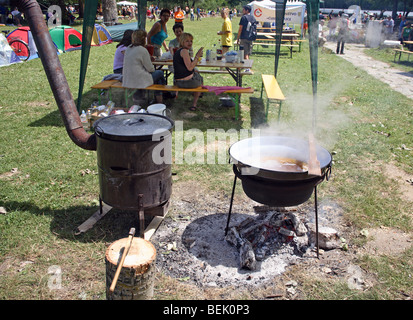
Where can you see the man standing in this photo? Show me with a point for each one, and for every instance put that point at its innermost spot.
(342, 33)
(245, 23)
(388, 25)
(198, 14)
(226, 31)
(179, 16)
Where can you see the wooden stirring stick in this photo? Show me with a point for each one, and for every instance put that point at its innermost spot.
(313, 163)
(122, 260)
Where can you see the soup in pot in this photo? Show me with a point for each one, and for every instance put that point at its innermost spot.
(283, 164)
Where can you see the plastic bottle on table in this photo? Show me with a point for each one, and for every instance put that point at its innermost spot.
(89, 118)
(219, 51)
(208, 55)
(214, 52)
(83, 119)
(241, 53)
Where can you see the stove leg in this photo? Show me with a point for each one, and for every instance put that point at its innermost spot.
(316, 222)
(141, 217)
(230, 206)
(100, 205)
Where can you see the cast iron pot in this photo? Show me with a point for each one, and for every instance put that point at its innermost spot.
(272, 187)
(134, 156)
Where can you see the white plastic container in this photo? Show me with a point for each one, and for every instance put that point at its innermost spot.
(158, 108)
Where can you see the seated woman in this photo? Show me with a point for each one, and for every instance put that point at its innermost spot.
(185, 75)
(120, 51)
(138, 70)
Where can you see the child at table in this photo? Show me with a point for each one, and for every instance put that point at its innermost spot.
(178, 29)
(185, 75)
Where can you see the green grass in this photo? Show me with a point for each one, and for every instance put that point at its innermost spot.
(387, 55)
(55, 186)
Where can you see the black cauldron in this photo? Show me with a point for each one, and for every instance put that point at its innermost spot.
(253, 165)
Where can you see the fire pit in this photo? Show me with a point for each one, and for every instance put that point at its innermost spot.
(274, 171)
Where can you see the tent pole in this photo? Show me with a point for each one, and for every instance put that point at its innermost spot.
(313, 8)
(279, 22)
(88, 26)
(142, 4)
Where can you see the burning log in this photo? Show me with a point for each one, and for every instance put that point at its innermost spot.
(247, 256)
(257, 237)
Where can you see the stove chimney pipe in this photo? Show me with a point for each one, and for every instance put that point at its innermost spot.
(55, 75)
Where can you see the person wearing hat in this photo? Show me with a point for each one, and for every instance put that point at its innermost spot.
(242, 36)
(342, 33)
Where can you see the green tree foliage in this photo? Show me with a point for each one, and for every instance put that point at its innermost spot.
(204, 4)
(405, 6)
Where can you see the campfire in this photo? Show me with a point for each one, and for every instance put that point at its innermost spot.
(275, 230)
(266, 234)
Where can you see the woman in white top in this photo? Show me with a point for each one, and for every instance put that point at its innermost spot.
(138, 70)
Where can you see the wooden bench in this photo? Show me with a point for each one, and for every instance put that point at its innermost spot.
(234, 94)
(400, 51)
(104, 85)
(168, 72)
(273, 92)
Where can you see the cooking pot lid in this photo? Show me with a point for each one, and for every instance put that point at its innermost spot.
(133, 127)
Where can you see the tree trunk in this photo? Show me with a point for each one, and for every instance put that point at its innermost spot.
(394, 13)
(81, 9)
(110, 12)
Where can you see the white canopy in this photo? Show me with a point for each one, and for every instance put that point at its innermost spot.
(264, 11)
(126, 3)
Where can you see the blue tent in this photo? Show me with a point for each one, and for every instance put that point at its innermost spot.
(117, 31)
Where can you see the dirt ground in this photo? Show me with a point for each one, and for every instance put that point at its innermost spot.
(191, 245)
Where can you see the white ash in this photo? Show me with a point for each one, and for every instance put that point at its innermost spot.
(202, 255)
(191, 243)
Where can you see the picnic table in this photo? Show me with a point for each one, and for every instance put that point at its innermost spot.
(401, 51)
(289, 40)
(214, 67)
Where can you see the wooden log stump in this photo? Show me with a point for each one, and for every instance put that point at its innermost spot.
(136, 278)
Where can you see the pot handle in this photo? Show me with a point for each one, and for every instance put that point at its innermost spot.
(328, 172)
(120, 171)
(99, 131)
(238, 173)
(137, 121)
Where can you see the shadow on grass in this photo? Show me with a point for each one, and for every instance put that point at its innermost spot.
(111, 227)
(283, 54)
(53, 119)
